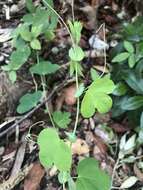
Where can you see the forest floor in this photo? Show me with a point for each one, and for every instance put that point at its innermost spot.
(98, 136)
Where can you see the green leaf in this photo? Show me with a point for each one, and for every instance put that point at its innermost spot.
(44, 67)
(63, 158)
(76, 53)
(28, 18)
(91, 177)
(75, 66)
(53, 150)
(129, 47)
(49, 35)
(80, 90)
(30, 6)
(94, 74)
(120, 89)
(132, 60)
(50, 2)
(18, 43)
(12, 76)
(62, 119)
(36, 30)
(48, 141)
(29, 101)
(75, 29)
(25, 33)
(63, 177)
(141, 121)
(71, 184)
(6, 68)
(97, 97)
(134, 81)
(41, 16)
(133, 103)
(19, 57)
(35, 44)
(121, 57)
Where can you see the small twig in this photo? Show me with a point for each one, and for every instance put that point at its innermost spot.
(15, 180)
(57, 88)
(105, 59)
(19, 158)
(114, 170)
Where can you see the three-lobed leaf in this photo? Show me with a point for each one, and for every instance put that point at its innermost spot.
(97, 97)
(76, 53)
(62, 119)
(44, 67)
(53, 150)
(75, 29)
(91, 177)
(29, 101)
(19, 57)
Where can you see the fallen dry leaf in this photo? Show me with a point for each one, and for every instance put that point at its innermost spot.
(102, 118)
(89, 137)
(138, 173)
(100, 148)
(97, 2)
(19, 157)
(69, 94)
(114, 6)
(91, 15)
(103, 134)
(80, 147)
(34, 177)
(119, 128)
(110, 20)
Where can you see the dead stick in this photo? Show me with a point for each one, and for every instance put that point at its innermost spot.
(57, 88)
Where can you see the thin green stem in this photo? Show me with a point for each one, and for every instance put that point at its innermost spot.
(78, 104)
(46, 104)
(37, 123)
(73, 16)
(43, 81)
(64, 188)
(61, 19)
(73, 43)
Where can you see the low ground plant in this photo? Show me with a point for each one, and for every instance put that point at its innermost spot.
(40, 24)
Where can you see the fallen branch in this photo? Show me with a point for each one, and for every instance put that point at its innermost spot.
(57, 88)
